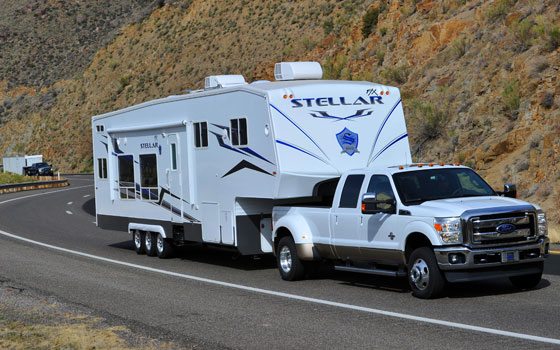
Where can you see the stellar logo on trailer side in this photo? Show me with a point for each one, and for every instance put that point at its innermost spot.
(149, 145)
(335, 101)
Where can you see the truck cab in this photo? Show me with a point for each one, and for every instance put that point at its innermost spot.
(433, 223)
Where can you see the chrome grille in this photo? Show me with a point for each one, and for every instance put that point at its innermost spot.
(502, 229)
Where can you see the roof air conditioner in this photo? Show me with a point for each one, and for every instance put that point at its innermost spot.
(297, 71)
(221, 81)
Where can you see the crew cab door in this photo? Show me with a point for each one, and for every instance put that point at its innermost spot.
(345, 218)
(380, 232)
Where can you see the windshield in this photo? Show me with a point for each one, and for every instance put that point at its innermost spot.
(41, 164)
(415, 187)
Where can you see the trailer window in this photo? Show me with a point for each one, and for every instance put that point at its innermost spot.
(148, 177)
(351, 191)
(201, 134)
(102, 168)
(126, 177)
(100, 128)
(173, 156)
(239, 132)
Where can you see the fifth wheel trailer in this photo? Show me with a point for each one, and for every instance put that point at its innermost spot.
(209, 166)
(16, 165)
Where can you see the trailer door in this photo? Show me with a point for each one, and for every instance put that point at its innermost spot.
(174, 176)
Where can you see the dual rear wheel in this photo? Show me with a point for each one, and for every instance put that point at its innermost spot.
(152, 244)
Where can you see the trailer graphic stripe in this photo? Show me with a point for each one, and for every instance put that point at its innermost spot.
(380, 129)
(370, 310)
(389, 145)
(300, 129)
(301, 150)
(245, 165)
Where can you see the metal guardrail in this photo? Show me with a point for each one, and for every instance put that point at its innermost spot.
(32, 185)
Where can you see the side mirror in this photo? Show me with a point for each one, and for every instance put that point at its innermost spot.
(370, 204)
(510, 190)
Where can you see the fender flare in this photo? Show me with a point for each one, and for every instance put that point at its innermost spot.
(145, 227)
(422, 227)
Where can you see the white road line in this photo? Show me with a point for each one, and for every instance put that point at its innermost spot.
(68, 212)
(44, 193)
(297, 297)
(87, 195)
(69, 203)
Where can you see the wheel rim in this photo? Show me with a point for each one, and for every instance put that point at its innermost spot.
(420, 274)
(137, 240)
(285, 259)
(148, 241)
(159, 243)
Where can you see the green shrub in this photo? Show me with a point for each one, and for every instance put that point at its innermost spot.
(397, 74)
(383, 31)
(431, 119)
(460, 46)
(510, 96)
(553, 38)
(369, 21)
(11, 178)
(523, 33)
(334, 66)
(380, 56)
(500, 10)
(328, 26)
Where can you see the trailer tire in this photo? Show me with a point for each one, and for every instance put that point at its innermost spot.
(150, 244)
(424, 276)
(138, 241)
(527, 281)
(164, 247)
(290, 266)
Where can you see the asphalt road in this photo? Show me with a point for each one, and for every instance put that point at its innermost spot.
(213, 299)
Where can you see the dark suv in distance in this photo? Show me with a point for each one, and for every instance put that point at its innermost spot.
(39, 169)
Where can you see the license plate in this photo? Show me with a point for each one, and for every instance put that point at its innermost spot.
(510, 256)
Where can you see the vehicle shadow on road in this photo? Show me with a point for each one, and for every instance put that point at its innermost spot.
(213, 256)
(89, 207)
(394, 284)
(220, 257)
(499, 286)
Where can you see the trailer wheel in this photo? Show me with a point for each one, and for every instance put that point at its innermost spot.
(527, 281)
(424, 276)
(150, 244)
(138, 240)
(164, 247)
(289, 265)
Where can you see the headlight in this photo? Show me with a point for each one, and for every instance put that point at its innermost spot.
(541, 224)
(449, 230)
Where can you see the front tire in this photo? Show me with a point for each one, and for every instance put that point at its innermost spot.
(528, 281)
(150, 244)
(164, 247)
(138, 241)
(290, 266)
(424, 276)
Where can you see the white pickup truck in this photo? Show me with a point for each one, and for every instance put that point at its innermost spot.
(433, 223)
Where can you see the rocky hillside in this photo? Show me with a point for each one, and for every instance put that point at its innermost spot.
(479, 78)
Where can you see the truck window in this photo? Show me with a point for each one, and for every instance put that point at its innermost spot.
(351, 191)
(148, 177)
(102, 168)
(200, 134)
(239, 132)
(381, 186)
(126, 177)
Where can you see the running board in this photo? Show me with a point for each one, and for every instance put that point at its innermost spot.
(371, 271)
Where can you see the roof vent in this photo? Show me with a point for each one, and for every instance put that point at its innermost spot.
(297, 70)
(221, 81)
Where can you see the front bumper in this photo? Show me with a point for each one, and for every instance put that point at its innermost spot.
(492, 257)
(481, 264)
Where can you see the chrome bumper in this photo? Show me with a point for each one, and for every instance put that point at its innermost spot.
(492, 257)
